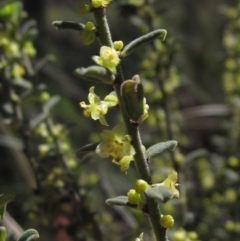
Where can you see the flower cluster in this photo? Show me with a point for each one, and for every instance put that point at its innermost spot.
(117, 145)
(97, 108)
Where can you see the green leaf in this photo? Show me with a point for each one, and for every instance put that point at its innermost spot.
(160, 147)
(29, 235)
(11, 142)
(160, 193)
(95, 73)
(132, 97)
(87, 37)
(38, 120)
(4, 199)
(83, 151)
(159, 33)
(120, 201)
(51, 102)
(68, 25)
(194, 155)
(2, 233)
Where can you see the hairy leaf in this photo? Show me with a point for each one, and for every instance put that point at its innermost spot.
(159, 33)
(120, 201)
(160, 147)
(84, 150)
(29, 235)
(160, 193)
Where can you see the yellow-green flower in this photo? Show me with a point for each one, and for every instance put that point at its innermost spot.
(171, 182)
(118, 145)
(98, 108)
(108, 58)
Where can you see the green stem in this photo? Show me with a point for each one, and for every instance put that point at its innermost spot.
(133, 130)
(103, 31)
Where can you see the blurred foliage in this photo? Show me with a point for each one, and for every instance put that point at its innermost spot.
(39, 131)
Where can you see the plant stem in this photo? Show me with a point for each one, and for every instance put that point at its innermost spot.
(133, 130)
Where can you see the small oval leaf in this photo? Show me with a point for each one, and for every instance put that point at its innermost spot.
(160, 193)
(159, 33)
(133, 99)
(29, 235)
(120, 201)
(160, 147)
(84, 150)
(96, 74)
(68, 25)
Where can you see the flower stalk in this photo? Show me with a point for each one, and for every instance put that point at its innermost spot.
(152, 209)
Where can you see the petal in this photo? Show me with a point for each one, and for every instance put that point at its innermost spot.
(119, 130)
(107, 135)
(103, 120)
(111, 100)
(95, 114)
(97, 60)
(83, 104)
(102, 150)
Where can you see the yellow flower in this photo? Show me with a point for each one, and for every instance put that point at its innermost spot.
(118, 145)
(98, 108)
(108, 58)
(170, 182)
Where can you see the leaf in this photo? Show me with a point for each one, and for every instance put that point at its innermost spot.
(4, 200)
(51, 102)
(159, 33)
(83, 151)
(120, 201)
(160, 147)
(38, 120)
(96, 74)
(2, 233)
(194, 155)
(160, 193)
(11, 142)
(29, 235)
(68, 25)
(133, 96)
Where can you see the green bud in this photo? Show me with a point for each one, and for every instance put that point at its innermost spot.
(85, 8)
(141, 186)
(44, 96)
(167, 221)
(192, 235)
(118, 45)
(133, 197)
(89, 26)
(97, 3)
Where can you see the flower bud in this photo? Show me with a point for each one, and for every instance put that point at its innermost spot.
(141, 186)
(167, 221)
(133, 197)
(118, 45)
